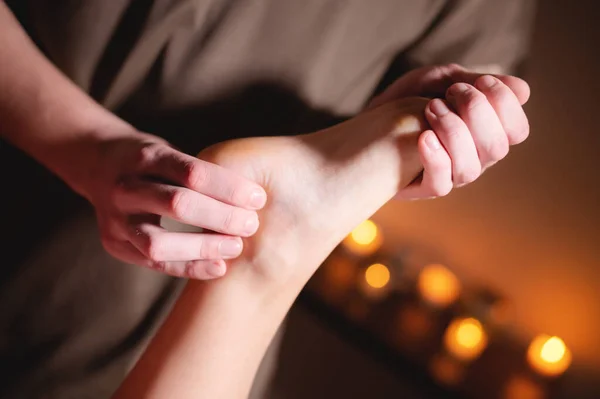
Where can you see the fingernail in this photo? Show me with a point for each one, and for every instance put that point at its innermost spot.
(438, 107)
(432, 141)
(251, 225)
(230, 248)
(486, 81)
(215, 269)
(258, 199)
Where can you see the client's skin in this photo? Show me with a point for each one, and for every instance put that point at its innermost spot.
(319, 186)
(323, 184)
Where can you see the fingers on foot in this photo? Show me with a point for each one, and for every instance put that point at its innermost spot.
(167, 164)
(185, 206)
(201, 269)
(158, 244)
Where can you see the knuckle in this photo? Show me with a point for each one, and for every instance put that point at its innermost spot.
(206, 250)
(235, 193)
(439, 166)
(499, 94)
(189, 269)
(454, 66)
(468, 175)
(146, 155)
(154, 250)
(498, 150)
(496, 94)
(445, 72)
(439, 72)
(472, 100)
(237, 221)
(172, 268)
(195, 174)
(502, 95)
(452, 130)
(159, 266)
(178, 203)
(229, 220)
(153, 247)
(451, 69)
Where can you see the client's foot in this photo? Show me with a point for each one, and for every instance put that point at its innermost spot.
(321, 185)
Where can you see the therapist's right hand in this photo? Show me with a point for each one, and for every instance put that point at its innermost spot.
(139, 178)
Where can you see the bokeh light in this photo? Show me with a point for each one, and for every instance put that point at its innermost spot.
(522, 387)
(438, 286)
(364, 240)
(446, 370)
(365, 233)
(548, 355)
(465, 338)
(377, 275)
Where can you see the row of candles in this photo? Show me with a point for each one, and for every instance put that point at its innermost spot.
(465, 338)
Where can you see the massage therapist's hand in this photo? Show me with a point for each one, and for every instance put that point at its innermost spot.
(474, 119)
(138, 177)
(131, 178)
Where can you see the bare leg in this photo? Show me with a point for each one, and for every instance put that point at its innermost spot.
(320, 186)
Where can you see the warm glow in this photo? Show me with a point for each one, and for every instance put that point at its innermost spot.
(447, 370)
(339, 276)
(522, 387)
(553, 350)
(365, 239)
(414, 324)
(469, 334)
(501, 312)
(377, 275)
(365, 233)
(438, 285)
(340, 272)
(548, 355)
(465, 338)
